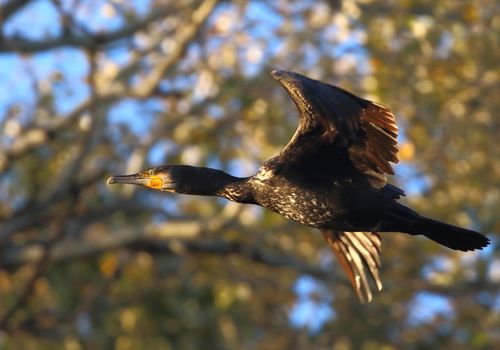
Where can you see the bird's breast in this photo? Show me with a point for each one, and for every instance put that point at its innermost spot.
(310, 207)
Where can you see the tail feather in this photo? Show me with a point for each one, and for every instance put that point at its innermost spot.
(359, 255)
(450, 236)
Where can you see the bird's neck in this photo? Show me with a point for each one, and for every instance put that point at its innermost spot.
(213, 182)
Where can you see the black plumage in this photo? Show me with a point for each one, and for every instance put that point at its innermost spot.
(331, 176)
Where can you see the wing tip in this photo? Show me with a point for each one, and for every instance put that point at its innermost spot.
(359, 255)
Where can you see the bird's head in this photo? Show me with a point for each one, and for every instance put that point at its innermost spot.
(179, 179)
(162, 178)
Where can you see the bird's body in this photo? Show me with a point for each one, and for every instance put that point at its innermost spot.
(330, 176)
(313, 198)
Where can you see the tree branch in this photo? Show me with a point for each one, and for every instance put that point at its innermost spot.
(25, 45)
(40, 265)
(105, 95)
(102, 241)
(184, 35)
(11, 8)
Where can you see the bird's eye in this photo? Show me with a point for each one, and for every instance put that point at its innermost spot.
(151, 172)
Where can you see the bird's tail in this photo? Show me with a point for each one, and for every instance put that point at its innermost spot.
(359, 256)
(450, 236)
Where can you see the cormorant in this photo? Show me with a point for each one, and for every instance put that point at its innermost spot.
(331, 176)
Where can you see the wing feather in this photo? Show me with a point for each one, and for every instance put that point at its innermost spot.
(357, 265)
(371, 261)
(332, 116)
(359, 256)
(345, 260)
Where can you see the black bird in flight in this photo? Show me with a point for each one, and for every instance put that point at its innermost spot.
(331, 176)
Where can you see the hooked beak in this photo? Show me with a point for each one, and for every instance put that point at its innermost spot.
(137, 179)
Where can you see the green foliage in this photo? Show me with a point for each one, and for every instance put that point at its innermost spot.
(83, 265)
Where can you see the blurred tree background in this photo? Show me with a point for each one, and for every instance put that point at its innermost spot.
(89, 88)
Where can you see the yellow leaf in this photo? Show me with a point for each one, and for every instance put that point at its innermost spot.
(407, 151)
(108, 265)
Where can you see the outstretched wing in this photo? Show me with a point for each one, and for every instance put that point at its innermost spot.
(379, 145)
(359, 255)
(330, 116)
